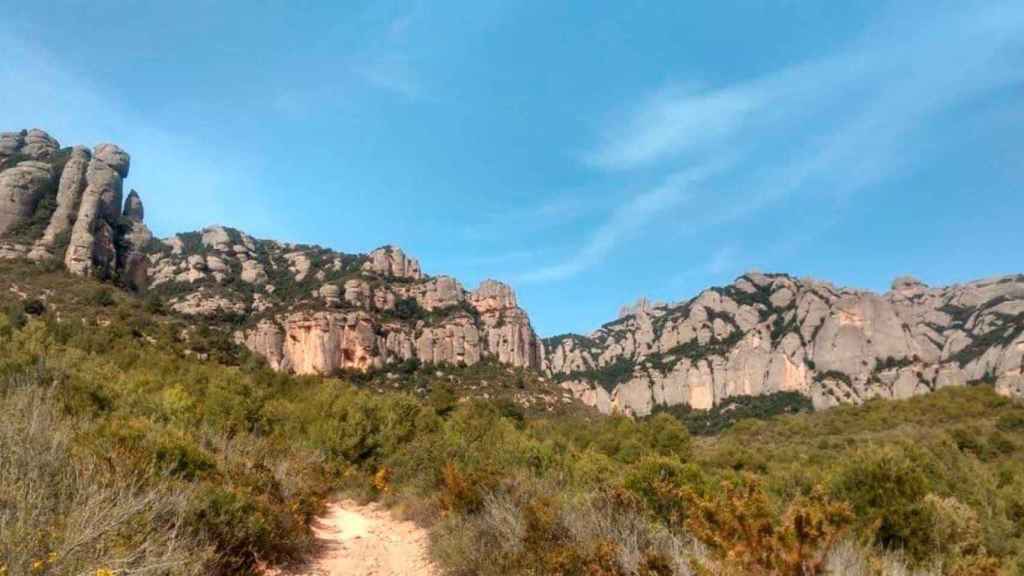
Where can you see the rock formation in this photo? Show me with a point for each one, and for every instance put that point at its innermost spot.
(21, 189)
(771, 333)
(66, 204)
(133, 209)
(311, 310)
(307, 309)
(390, 261)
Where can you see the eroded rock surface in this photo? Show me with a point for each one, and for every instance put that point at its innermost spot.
(21, 189)
(66, 204)
(770, 333)
(310, 310)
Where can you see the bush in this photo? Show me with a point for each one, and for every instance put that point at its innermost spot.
(736, 409)
(101, 296)
(887, 490)
(64, 513)
(34, 307)
(244, 529)
(744, 533)
(1011, 422)
(658, 481)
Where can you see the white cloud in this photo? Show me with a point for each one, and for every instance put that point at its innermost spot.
(670, 123)
(625, 221)
(865, 98)
(834, 125)
(387, 63)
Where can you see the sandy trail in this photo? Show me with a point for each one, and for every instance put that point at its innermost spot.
(367, 541)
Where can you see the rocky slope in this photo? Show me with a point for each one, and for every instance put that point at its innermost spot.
(769, 333)
(308, 309)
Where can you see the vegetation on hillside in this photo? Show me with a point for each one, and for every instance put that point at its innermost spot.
(133, 442)
(736, 409)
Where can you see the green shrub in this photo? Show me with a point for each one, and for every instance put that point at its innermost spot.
(1013, 422)
(737, 408)
(887, 488)
(101, 296)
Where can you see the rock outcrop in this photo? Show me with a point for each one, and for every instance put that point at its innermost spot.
(310, 310)
(390, 261)
(369, 326)
(133, 209)
(31, 144)
(92, 246)
(69, 198)
(22, 187)
(772, 333)
(66, 204)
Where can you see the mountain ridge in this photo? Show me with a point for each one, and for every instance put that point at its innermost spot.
(311, 310)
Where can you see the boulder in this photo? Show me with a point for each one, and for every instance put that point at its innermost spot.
(253, 272)
(217, 238)
(39, 145)
(390, 261)
(133, 209)
(113, 156)
(21, 189)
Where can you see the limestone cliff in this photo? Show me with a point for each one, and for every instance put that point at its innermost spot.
(770, 332)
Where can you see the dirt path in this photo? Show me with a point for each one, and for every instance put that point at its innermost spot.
(367, 541)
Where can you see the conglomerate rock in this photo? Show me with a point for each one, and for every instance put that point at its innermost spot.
(774, 333)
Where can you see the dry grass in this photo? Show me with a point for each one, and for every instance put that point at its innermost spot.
(523, 529)
(850, 559)
(62, 513)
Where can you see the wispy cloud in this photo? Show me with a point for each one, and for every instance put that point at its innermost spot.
(833, 125)
(908, 67)
(624, 222)
(387, 62)
(674, 121)
(392, 72)
(723, 260)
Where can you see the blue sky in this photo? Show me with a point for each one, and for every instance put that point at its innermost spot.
(586, 152)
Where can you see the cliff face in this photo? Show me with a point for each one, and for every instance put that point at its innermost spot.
(772, 333)
(310, 310)
(386, 311)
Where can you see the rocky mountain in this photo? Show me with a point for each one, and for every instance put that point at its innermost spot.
(308, 309)
(312, 310)
(770, 333)
(305, 308)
